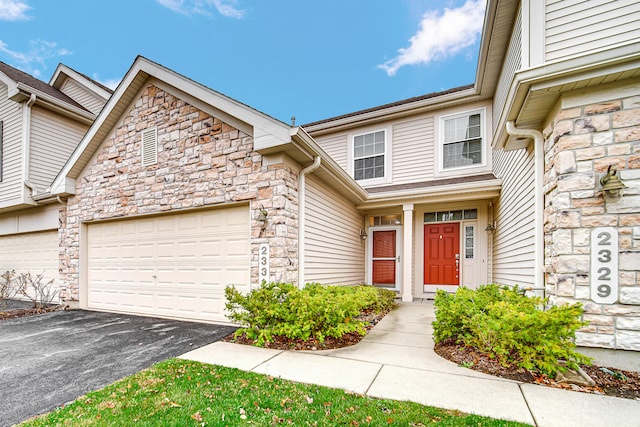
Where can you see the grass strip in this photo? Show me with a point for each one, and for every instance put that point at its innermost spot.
(185, 393)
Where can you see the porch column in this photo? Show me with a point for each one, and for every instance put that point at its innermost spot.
(407, 253)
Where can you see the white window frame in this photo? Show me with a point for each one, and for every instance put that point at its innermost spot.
(386, 178)
(441, 140)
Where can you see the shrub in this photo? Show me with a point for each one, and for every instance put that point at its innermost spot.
(36, 289)
(503, 323)
(316, 311)
(7, 287)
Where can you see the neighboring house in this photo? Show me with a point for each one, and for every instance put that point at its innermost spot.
(176, 190)
(40, 126)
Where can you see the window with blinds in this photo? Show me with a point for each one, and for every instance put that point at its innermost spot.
(369, 152)
(462, 140)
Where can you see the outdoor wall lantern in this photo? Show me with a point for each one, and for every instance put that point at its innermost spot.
(491, 227)
(363, 234)
(262, 216)
(612, 185)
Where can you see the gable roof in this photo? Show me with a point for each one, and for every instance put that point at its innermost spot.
(63, 72)
(26, 81)
(388, 109)
(266, 131)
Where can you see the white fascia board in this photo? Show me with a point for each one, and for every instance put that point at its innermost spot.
(262, 124)
(397, 111)
(558, 73)
(23, 91)
(329, 165)
(63, 187)
(267, 131)
(62, 183)
(463, 191)
(82, 80)
(12, 86)
(485, 41)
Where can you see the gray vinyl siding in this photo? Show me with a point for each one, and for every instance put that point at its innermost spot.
(336, 146)
(334, 251)
(82, 96)
(53, 139)
(514, 238)
(413, 151)
(512, 63)
(574, 27)
(11, 189)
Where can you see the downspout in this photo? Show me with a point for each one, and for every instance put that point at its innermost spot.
(301, 216)
(26, 142)
(538, 155)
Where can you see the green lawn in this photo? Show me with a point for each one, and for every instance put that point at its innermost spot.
(184, 393)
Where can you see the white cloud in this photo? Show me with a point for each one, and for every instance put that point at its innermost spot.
(13, 10)
(110, 83)
(203, 7)
(440, 36)
(35, 60)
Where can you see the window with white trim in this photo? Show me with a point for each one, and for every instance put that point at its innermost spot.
(469, 241)
(462, 140)
(369, 152)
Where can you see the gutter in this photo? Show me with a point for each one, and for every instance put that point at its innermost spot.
(538, 141)
(26, 142)
(301, 216)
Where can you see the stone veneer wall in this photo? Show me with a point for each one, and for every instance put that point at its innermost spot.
(580, 143)
(201, 162)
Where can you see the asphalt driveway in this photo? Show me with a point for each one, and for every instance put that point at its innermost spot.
(51, 359)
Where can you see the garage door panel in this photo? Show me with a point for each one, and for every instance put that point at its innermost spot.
(175, 266)
(35, 253)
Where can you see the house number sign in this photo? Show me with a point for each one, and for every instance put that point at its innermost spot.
(263, 262)
(604, 265)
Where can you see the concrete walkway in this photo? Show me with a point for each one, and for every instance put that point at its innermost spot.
(396, 361)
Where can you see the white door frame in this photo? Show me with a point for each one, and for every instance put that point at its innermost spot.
(398, 230)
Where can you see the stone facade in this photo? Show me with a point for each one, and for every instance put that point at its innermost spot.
(580, 144)
(202, 161)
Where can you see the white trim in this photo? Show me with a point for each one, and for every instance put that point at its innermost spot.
(80, 79)
(535, 34)
(407, 252)
(439, 146)
(388, 159)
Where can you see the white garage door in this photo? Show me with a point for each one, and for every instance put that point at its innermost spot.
(35, 253)
(169, 265)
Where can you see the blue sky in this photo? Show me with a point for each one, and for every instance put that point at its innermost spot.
(309, 59)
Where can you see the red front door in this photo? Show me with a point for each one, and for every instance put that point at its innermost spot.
(441, 254)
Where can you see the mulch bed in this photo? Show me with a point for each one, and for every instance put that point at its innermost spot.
(30, 311)
(284, 343)
(621, 384)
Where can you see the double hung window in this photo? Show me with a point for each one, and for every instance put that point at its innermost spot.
(369, 152)
(462, 140)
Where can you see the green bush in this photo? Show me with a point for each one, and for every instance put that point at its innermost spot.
(503, 323)
(316, 311)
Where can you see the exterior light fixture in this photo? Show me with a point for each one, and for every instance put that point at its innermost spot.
(363, 234)
(491, 227)
(262, 216)
(612, 186)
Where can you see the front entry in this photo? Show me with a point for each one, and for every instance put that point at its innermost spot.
(385, 257)
(442, 254)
